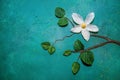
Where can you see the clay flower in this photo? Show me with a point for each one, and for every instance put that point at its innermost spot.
(84, 26)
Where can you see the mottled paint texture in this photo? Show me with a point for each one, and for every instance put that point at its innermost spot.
(24, 24)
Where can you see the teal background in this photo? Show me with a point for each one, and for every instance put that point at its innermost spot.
(24, 24)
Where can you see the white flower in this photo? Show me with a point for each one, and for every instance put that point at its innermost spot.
(84, 26)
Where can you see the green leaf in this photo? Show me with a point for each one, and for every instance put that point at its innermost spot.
(51, 50)
(67, 53)
(62, 22)
(87, 58)
(45, 45)
(59, 12)
(75, 67)
(78, 45)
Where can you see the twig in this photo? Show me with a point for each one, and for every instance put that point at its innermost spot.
(96, 46)
(70, 22)
(63, 38)
(108, 40)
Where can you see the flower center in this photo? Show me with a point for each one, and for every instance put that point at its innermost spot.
(83, 25)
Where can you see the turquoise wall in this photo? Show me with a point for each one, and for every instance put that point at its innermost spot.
(24, 24)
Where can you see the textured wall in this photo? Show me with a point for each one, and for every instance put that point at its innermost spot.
(24, 24)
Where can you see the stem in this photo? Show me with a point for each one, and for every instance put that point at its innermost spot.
(103, 37)
(70, 22)
(108, 40)
(63, 38)
(96, 46)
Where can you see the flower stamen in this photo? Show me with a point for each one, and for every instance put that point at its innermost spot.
(83, 25)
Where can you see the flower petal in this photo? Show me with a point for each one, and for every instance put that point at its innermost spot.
(76, 29)
(86, 34)
(92, 28)
(89, 18)
(77, 18)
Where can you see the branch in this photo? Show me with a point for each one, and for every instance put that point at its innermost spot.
(103, 37)
(70, 22)
(96, 46)
(108, 40)
(63, 38)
